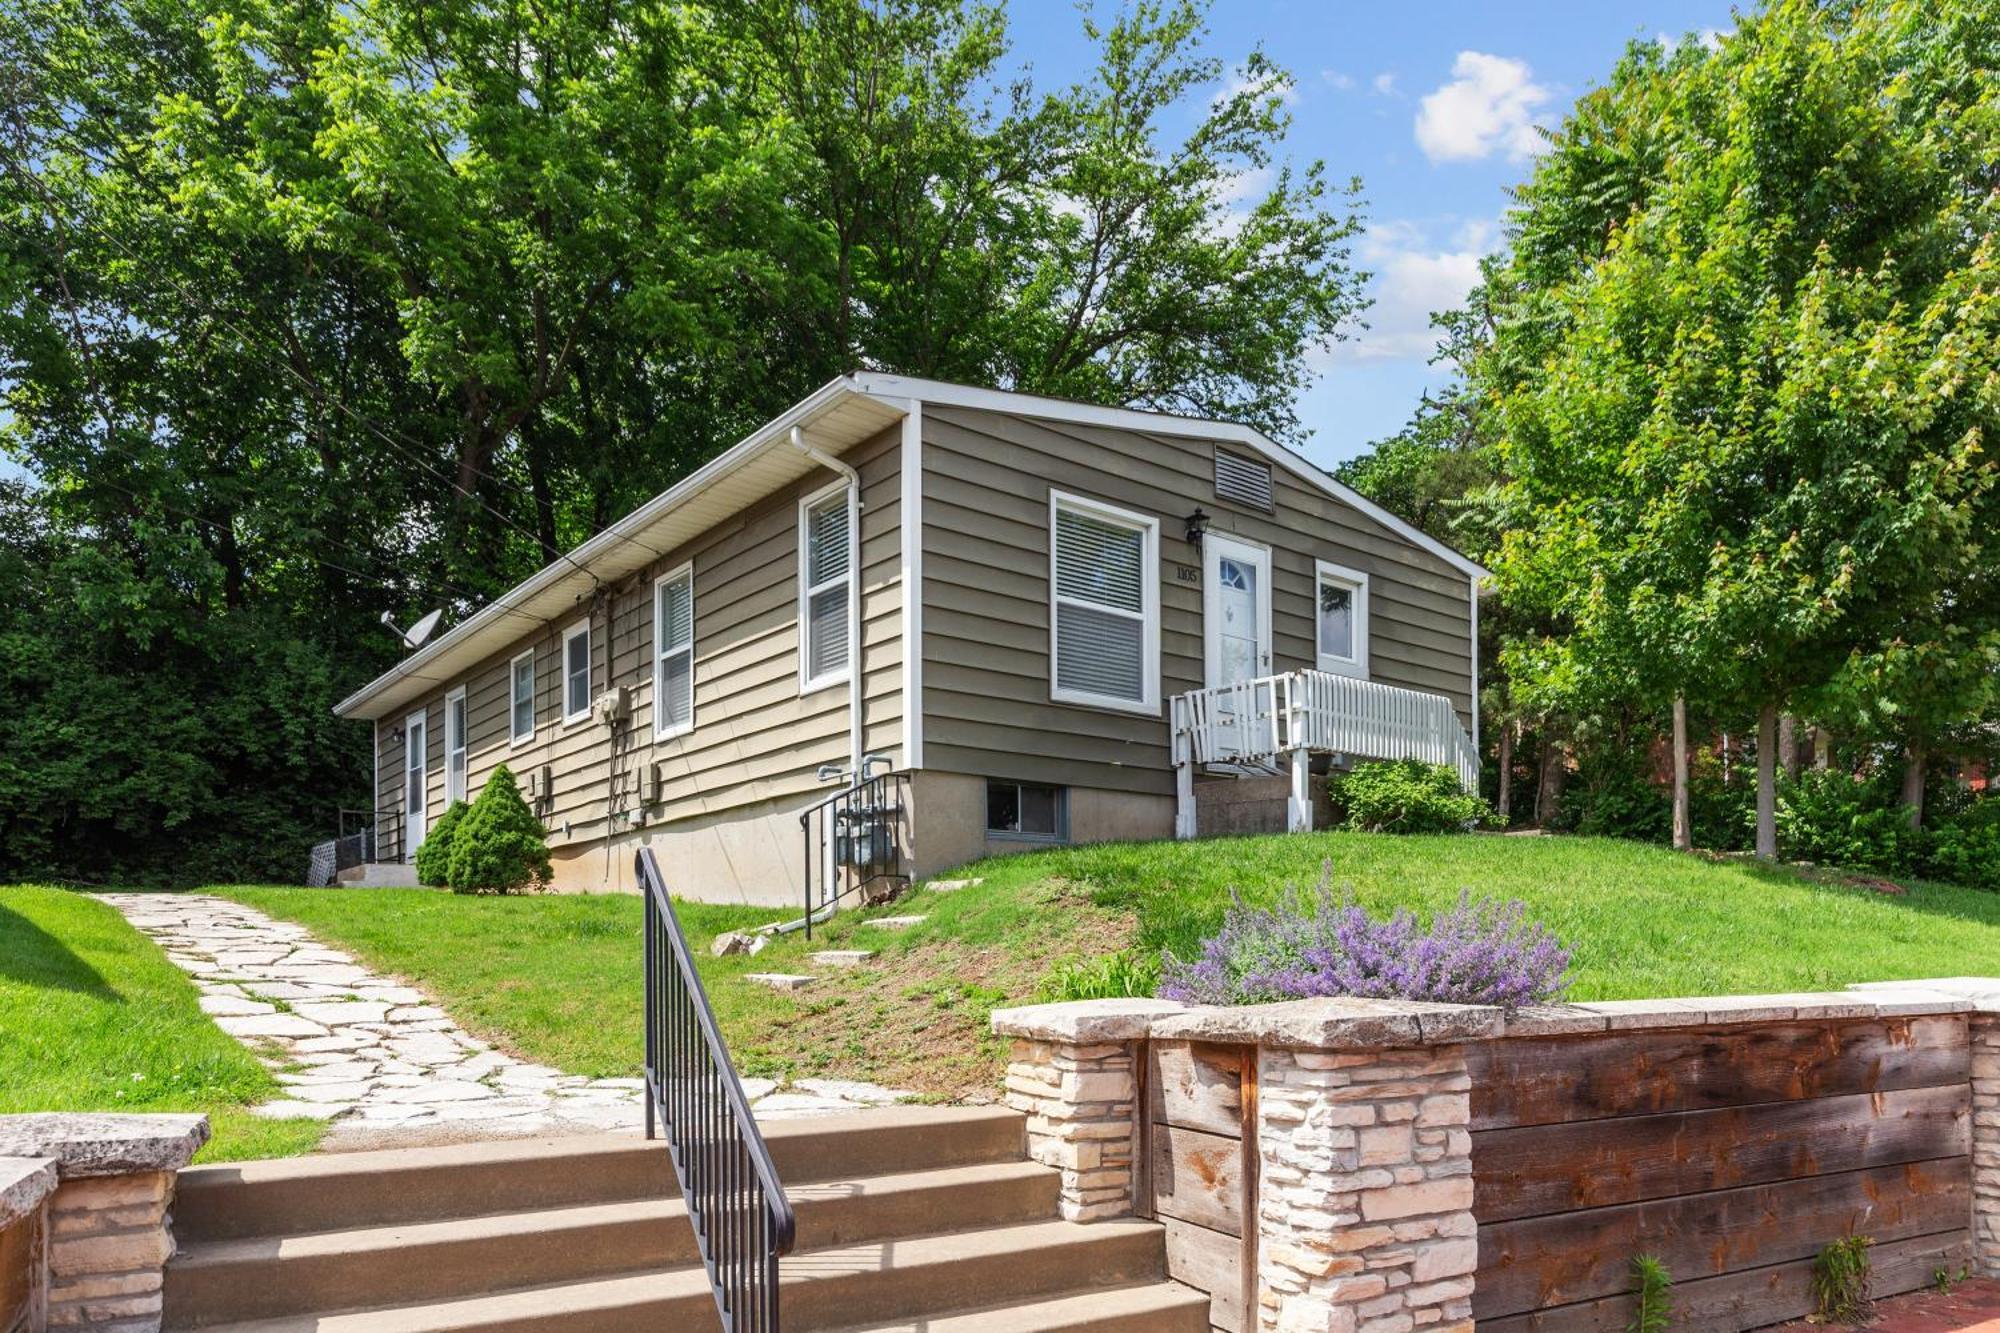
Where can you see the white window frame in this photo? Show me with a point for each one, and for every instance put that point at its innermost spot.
(807, 681)
(1324, 572)
(518, 738)
(1149, 583)
(660, 653)
(456, 780)
(581, 629)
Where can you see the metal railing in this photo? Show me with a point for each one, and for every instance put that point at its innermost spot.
(334, 855)
(742, 1219)
(854, 841)
(1254, 722)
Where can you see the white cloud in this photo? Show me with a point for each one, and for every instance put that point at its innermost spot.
(1384, 84)
(1238, 193)
(1419, 268)
(1337, 80)
(1488, 106)
(1240, 81)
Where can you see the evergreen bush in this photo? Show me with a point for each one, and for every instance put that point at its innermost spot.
(500, 847)
(434, 852)
(1404, 796)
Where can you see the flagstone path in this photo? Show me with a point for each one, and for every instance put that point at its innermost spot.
(378, 1058)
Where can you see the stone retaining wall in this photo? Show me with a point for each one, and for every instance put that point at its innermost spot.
(98, 1236)
(1378, 1167)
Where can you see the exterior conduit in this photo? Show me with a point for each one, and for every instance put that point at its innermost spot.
(842, 468)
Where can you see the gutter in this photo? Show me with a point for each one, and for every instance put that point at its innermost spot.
(841, 467)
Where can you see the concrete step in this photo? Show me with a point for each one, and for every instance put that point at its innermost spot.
(337, 1191)
(1156, 1307)
(821, 1289)
(220, 1281)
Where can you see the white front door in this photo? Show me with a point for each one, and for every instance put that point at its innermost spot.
(1236, 620)
(416, 777)
(1236, 609)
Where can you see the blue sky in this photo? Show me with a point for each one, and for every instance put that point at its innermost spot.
(1429, 102)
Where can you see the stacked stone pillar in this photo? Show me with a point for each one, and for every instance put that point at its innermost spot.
(1986, 1143)
(107, 1231)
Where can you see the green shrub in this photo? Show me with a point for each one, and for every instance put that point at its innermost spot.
(1111, 976)
(1404, 796)
(434, 852)
(1830, 817)
(500, 846)
(1613, 795)
(1964, 847)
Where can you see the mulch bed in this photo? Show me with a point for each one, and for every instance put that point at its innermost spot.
(1972, 1306)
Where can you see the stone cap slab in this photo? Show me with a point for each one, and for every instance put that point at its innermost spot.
(85, 1143)
(1085, 1022)
(1333, 1023)
(24, 1183)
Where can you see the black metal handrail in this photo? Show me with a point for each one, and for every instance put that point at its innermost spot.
(854, 839)
(742, 1220)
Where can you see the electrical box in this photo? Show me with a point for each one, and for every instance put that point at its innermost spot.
(613, 707)
(541, 786)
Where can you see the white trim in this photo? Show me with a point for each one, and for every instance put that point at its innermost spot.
(1211, 598)
(1157, 423)
(417, 819)
(375, 776)
(1149, 598)
(1325, 571)
(580, 629)
(516, 740)
(809, 683)
(660, 729)
(910, 515)
(464, 747)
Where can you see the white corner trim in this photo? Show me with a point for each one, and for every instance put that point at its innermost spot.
(660, 730)
(581, 627)
(910, 516)
(1159, 423)
(1149, 633)
(1356, 666)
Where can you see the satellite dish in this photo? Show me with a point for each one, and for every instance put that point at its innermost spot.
(414, 637)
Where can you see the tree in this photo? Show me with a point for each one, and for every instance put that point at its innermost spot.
(499, 845)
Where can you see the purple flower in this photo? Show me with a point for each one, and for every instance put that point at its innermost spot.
(1480, 951)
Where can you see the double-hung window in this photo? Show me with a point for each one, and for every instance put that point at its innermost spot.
(1105, 605)
(521, 699)
(826, 587)
(1340, 595)
(576, 672)
(673, 653)
(454, 746)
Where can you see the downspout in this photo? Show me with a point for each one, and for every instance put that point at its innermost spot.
(844, 469)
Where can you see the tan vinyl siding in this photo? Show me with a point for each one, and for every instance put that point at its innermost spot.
(987, 478)
(755, 737)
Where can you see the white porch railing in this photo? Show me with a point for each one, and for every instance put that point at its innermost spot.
(1277, 721)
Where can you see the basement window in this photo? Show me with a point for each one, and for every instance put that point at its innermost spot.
(1027, 810)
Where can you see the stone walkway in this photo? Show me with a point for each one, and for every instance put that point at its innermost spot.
(377, 1058)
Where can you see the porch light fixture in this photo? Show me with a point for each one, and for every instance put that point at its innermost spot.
(1197, 527)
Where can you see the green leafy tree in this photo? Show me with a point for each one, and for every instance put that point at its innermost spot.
(499, 846)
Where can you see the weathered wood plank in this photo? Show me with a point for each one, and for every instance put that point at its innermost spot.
(1196, 1085)
(1207, 1261)
(1198, 1178)
(1753, 1298)
(1554, 1080)
(1540, 1262)
(1553, 1168)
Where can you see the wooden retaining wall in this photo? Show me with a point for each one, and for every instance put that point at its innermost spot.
(1199, 1137)
(1732, 1154)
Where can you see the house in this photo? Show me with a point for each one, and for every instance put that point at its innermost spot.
(1050, 622)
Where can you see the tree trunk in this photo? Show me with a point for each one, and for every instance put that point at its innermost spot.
(1683, 822)
(1767, 782)
(1548, 788)
(1822, 749)
(1916, 758)
(1788, 745)
(1503, 803)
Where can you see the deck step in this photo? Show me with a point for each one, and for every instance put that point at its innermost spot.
(217, 1282)
(821, 1289)
(335, 1191)
(1155, 1307)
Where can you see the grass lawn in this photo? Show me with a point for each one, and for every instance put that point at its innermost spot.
(94, 1017)
(556, 978)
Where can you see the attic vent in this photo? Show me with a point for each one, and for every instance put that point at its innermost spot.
(1242, 480)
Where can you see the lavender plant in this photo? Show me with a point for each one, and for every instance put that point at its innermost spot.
(1480, 951)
